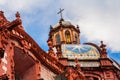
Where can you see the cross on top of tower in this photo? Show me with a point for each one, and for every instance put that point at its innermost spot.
(60, 12)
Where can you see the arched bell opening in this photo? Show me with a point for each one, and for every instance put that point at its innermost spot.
(67, 36)
(93, 77)
(24, 65)
(57, 37)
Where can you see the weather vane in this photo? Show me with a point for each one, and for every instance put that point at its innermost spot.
(60, 12)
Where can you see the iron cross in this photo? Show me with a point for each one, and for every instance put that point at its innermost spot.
(60, 12)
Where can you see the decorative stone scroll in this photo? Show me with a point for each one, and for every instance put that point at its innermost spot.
(26, 45)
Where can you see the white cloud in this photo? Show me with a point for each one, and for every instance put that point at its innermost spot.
(23, 5)
(98, 20)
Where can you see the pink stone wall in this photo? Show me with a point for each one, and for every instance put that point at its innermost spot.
(46, 74)
(30, 74)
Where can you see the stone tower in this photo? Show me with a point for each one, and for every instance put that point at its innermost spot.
(64, 33)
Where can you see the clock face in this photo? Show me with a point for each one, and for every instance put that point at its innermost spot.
(80, 51)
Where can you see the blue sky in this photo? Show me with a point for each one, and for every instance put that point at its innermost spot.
(98, 19)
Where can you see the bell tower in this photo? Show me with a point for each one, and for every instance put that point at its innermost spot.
(64, 33)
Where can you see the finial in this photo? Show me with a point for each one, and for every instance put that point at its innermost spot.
(78, 26)
(76, 60)
(51, 27)
(1, 12)
(77, 65)
(60, 12)
(103, 46)
(101, 42)
(17, 15)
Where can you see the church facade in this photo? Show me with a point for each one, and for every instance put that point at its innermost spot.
(21, 58)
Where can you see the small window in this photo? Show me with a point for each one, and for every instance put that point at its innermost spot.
(57, 38)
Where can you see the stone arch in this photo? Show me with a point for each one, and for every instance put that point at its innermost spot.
(24, 42)
(23, 62)
(24, 65)
(93, 76)
(57, 38)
